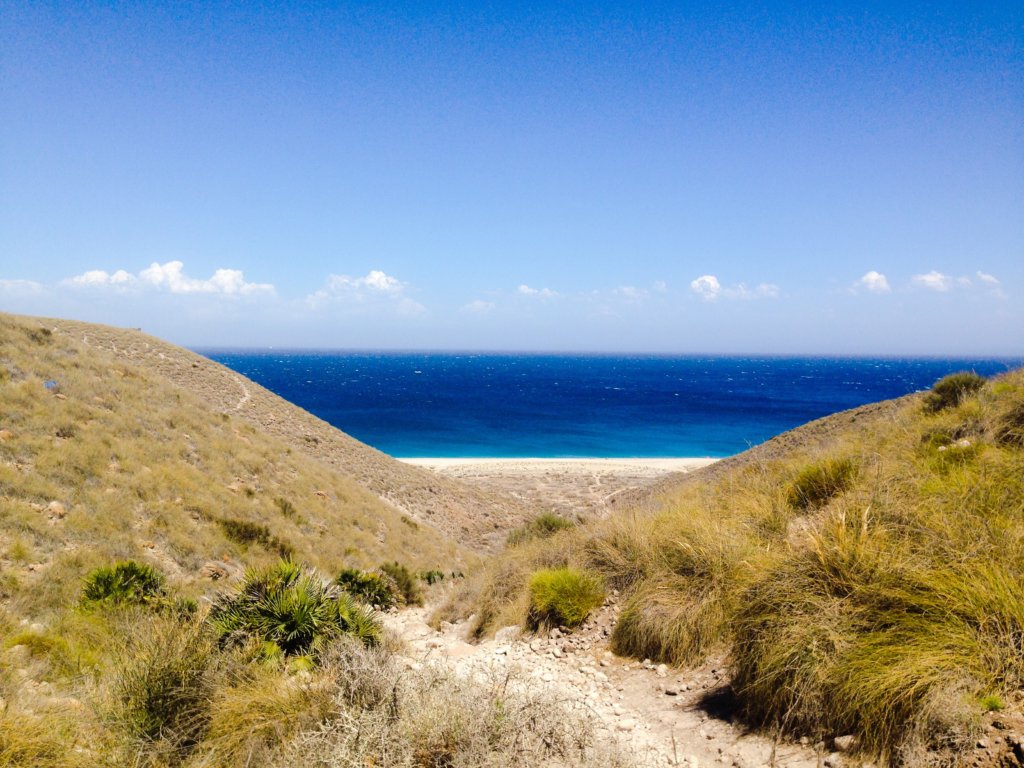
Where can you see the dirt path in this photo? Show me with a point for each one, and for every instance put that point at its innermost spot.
(663, 717)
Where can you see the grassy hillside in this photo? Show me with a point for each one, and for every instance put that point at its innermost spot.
(131, 503)
(472, 516)
(864, 575)
(102, 459)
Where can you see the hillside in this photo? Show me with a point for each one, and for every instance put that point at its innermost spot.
(474, 517)
(862, 577)
(102, 457)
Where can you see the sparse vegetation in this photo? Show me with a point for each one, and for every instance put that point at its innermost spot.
(816, 484)
(126, 583)
(245, 532)
(404, 581)
(541, 527)
(880, 596)
(563, 596)
(373, 589)
(951, 390)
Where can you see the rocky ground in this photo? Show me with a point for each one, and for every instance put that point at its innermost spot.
(663, 717)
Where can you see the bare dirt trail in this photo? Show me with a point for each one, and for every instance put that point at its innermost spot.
(661, 716)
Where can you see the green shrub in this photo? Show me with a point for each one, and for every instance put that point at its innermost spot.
(163, 686)
(431, 577)
(245, 533)
(372, 588)
(815, 485)
(125, 583)
(952, 390)
(541, 527)
(290, 610)
(404, 580)
(563, 596)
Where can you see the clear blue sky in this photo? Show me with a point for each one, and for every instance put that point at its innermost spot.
(763, 177)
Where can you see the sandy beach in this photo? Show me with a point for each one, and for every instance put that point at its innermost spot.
(572, 487)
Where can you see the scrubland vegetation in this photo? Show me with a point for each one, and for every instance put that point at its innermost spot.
(177, 588)
(869, 584)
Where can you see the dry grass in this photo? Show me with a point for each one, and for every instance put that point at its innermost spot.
(863, 579)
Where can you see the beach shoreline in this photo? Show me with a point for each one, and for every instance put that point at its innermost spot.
(587, 465)
(573, 487)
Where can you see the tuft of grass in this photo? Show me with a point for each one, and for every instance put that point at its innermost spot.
(405, 582)
(563, 596)
(162, 687)
(245, 533)
(374, 589)
(125, 583)
(1009, 430)
(950, 391)
(541, 527)
(291, 611)
(285, 507)
(818, 483)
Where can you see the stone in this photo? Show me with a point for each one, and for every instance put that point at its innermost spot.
(56, 510)
(845, 743)
(626, 724)
(833, 760)
(507, 634)
(662, 670)
(501, 651)
(671, 692)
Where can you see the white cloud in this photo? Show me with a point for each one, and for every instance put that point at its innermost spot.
(171, 277)
(20, 287)
(987, 278)
(542, 293)
(934, 281)
(710, 289)
(660, 286)
(480, 307)
(374, 288)
(631, 292)
(873, 282)
(707, 287)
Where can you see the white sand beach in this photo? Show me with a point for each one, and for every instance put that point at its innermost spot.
(535, 465)
(586, 487)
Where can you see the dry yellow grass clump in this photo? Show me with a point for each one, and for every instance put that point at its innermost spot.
(864, 574)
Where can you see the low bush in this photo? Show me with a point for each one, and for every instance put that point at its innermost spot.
(125, 583)
(404, 581)
(563, 596)
(245, 533)
(162, 687)
(431, 577)
(371, 588)
(816, 484)
(291, 612)
(951, 390)
(541, 527)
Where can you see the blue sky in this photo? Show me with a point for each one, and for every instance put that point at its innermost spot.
(764, 177)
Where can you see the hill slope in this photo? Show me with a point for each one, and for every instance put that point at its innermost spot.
(470, 515)
(863, 575)
(102, 458)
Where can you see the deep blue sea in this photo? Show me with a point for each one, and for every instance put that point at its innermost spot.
(502, 405)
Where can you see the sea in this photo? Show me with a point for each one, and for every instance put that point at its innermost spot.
(455, 405)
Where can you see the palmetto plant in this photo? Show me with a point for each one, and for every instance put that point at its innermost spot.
(290, 611)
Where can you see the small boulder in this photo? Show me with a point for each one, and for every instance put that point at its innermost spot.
(845, 743)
